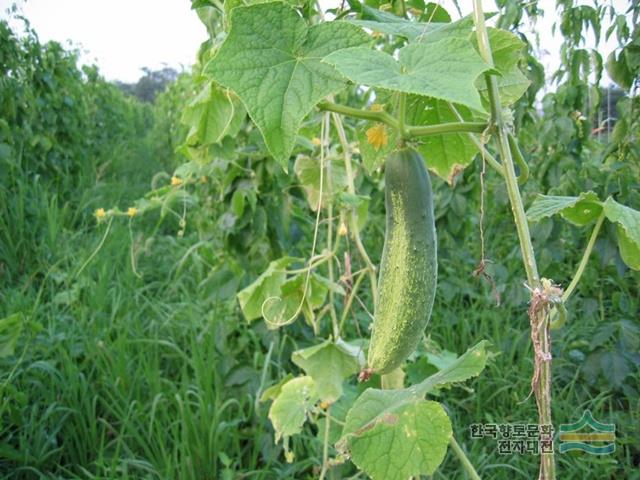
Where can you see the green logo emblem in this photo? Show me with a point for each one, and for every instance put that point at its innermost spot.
(598, 440)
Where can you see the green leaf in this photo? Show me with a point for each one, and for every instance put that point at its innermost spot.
(10, 330)
(460, 28)
(308, 172)
(390, 24)
(628, 221)
(409, 442)
(381, 419)
(449, 154)
(629, 250)
(329, 364)
(273, 63)
(445, 70)
(580, 210)
(289, 410)
(211, 115)
(507, 50)
(266, 286)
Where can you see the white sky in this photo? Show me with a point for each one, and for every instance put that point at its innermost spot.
(122, 36)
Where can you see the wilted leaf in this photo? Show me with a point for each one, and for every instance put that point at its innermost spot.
(329, 364)
(289, 410)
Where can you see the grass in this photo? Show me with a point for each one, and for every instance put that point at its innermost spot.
(119, 376)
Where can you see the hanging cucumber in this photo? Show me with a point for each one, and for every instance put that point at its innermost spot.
(408, 270)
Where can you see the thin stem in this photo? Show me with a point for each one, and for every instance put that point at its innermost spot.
(354, 215)
(382, 117)
(311, 266)
(466, 464)
(505, 152)
(350, 297)
(325, 447)
(452, 127)
(585, 258)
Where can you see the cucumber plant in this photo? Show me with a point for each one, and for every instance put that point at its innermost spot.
(333, 102)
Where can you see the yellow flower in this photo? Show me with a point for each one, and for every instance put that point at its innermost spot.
(100, 214)
(377, 136)
(316, 141)
(132, 212)
(377, 107)
(342, 229)
(175, 181)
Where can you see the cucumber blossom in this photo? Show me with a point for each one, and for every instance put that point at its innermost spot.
(408, 270)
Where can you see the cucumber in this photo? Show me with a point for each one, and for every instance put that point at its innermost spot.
(408, 270)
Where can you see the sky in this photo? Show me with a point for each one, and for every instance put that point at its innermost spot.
(123, 36)
(120, 36)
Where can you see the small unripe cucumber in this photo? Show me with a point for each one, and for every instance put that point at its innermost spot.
(408, 270)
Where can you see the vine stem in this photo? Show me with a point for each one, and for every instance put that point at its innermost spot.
(332, 308)
(585, 258)
(543, 383)
(466, 464)
(450, 127)
(410, 131)
(325, 448)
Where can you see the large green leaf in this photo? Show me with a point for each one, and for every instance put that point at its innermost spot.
(580, 210)
(273, 62)
(381, 419)
(628, 221)
(447, 154)
(409, 442)
(507, 50)
(445, 70)
(329, 364)
(289, 410)
(265, 287)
